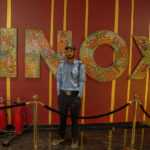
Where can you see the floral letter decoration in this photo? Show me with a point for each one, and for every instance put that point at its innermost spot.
(36, 45)
(121, 55)
(8, 51)
(144, 65)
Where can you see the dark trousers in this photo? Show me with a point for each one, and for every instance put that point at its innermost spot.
(64, 103)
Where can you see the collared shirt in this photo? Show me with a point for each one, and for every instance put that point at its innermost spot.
(71, 77)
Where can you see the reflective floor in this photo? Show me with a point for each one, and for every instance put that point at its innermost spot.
(92, 139)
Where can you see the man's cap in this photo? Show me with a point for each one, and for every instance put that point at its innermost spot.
(70, 46)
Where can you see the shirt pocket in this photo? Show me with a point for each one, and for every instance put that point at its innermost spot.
(63, 72)
(75, 73)
(64, 75)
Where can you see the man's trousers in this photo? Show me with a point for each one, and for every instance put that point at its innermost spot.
(66, 102)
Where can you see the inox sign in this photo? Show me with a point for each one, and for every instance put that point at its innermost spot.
(36, 45)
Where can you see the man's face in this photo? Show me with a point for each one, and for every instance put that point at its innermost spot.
(70, 53)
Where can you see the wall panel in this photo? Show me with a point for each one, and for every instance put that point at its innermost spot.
(124, 27)
(141, 27)
(3, 18)
(58, 25)
(101, 17)
(36, 14)
(30, 15)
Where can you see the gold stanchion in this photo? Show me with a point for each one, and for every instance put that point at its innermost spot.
(35, 99)
(136, 100)
(136, 97)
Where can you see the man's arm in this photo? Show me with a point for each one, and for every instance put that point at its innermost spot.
(81, 80)
(59, 79)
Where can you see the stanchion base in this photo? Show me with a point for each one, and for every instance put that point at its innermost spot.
(127, 148)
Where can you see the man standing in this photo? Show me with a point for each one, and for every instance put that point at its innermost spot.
(70, 84)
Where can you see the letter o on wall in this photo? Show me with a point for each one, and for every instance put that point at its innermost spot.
(88, 48)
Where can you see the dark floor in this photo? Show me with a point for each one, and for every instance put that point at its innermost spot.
(92, 139)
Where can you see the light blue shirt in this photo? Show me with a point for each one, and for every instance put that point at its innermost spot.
(70, 78)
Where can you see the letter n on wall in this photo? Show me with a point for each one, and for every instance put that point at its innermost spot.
(36, 45)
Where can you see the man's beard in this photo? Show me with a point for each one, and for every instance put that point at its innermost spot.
(69, 58)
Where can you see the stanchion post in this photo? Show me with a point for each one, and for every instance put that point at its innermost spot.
(35, 99)
(136, 97)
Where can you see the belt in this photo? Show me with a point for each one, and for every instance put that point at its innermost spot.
(69, 93)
